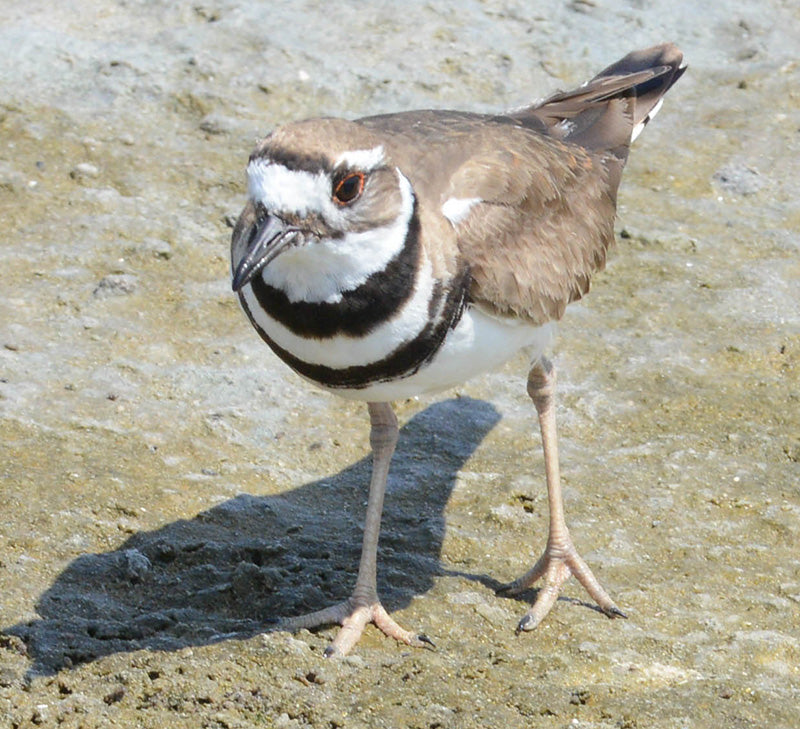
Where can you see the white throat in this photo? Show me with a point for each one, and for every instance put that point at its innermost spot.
(321, 270)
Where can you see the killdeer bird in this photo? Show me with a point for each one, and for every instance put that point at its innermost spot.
(402, 254)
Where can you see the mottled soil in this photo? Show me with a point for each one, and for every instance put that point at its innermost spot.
(169, 487)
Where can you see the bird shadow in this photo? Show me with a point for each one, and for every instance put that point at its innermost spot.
(231, 570)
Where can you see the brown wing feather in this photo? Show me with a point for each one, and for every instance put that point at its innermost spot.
(550, 195)
(542, 229)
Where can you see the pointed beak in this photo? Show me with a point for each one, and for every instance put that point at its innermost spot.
(264, 239)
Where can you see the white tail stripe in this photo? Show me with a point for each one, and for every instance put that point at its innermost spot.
(637, 130)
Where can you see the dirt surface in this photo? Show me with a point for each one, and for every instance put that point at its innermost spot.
(169, 487)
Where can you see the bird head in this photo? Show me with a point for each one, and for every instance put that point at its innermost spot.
(326, 208)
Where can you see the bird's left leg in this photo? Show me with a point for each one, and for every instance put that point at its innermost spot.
(363, 606)
(560, 558)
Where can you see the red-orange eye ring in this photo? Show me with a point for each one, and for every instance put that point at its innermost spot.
(349, 188)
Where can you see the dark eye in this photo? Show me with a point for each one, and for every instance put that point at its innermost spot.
(348, 188)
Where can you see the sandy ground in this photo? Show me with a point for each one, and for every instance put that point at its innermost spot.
(169, 487)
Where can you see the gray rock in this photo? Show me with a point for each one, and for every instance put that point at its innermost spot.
(84, 171)
(739, 179)
(116, 284)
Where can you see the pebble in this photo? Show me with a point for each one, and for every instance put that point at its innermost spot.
(157, 247)
(216, 124)
(739, 179)
(116, 284)
(134, 565)
(84, 171)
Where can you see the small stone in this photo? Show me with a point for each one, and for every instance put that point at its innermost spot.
(116, 284)
(739, 179)
(84, 171)
(133, 565)
(41, 714)
(114, 696)
(250, 579)
(11, 180)
(13, 643)
(355, 661)
(216, 124)
(8, 677)
(157, 247)
(580, 697)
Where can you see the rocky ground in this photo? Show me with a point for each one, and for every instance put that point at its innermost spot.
(169, 487)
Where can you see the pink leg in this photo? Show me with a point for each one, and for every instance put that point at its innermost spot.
(560, 558)
(364, 606)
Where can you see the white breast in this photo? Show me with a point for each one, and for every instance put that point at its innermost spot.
(480, 343)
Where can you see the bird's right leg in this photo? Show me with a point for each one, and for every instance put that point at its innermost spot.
(363, 606)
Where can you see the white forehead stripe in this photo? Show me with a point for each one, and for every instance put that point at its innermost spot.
(362, 159)
(282, 189)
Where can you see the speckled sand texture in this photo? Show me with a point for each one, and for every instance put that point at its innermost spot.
(168, 486)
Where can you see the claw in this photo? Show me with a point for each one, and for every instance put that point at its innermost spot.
(523, 624)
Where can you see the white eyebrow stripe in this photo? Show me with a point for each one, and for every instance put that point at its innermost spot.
(362, 159)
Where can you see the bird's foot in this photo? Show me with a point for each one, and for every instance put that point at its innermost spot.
(558, 562)
(353, 615)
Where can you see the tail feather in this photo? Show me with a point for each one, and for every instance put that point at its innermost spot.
(665, 62)
(610, 111)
